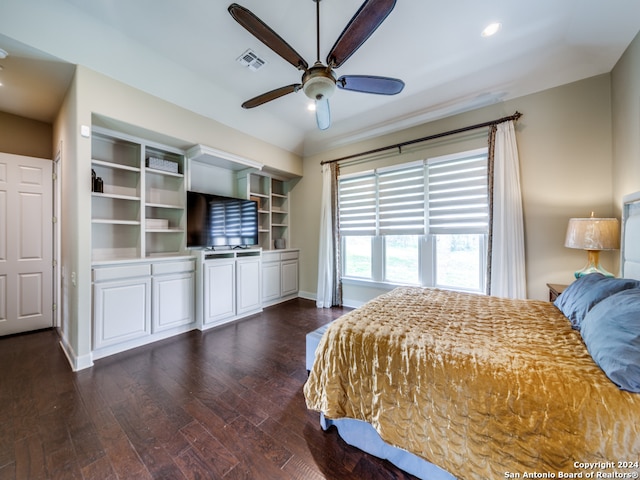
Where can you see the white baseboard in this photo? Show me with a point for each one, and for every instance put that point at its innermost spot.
(77, 362)
(307, 295)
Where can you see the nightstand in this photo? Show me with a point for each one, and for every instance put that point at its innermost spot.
(555, 289)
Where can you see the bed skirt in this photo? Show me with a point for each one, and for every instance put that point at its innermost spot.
(363, 436)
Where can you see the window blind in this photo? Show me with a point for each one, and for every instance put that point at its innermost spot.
(401, 201)
(447, 195)
(458, 195)
(358, 205)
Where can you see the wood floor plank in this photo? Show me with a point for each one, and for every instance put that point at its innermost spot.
(207, 451)
(30, 458)
(101, 469)
(62, 464)
(225, 403)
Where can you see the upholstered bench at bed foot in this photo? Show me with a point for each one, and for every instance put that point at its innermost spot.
(313, 339)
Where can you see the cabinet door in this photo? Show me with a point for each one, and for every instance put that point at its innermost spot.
(270, 281)
(289, 277)
(122, 311)
(173, 302)
(220, 290)
(248, 271)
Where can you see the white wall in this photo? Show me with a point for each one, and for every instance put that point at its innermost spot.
(564, 141)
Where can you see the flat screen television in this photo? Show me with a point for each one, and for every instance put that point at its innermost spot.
(218, 221)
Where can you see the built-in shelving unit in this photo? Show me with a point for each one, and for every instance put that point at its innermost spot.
(140, 212)
(272, 195)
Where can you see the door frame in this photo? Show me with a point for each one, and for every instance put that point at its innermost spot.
(56, 235)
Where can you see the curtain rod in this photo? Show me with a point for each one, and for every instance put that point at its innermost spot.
(399, 146)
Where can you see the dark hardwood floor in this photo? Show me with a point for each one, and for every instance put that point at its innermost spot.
(221, 404)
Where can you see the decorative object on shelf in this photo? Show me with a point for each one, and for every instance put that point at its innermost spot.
(593, 235)
(258, 200)
(161, 164)
(157, 224)
(97, 184)
(280, 243)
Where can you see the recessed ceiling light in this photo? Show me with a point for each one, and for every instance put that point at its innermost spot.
(491, 29)
(3, 54)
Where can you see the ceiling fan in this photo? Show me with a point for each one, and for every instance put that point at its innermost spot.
(319, 81)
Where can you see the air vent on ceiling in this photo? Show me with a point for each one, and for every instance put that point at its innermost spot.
(250, 59)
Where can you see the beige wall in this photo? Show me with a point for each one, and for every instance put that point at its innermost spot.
(564, 142)
(625, 86)
(23, 136)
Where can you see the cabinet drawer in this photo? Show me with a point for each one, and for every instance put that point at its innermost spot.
(172, 267)
(289, 255)
(120, 272)
(270, 257)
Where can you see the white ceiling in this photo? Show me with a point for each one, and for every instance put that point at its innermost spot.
(186, 53)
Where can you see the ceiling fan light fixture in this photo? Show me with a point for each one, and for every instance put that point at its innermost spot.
(491, 29)
(318, 83)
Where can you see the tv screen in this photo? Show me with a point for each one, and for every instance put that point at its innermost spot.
(217, 221)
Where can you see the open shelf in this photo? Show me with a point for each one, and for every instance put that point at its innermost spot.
(132, 193)
(272, 195)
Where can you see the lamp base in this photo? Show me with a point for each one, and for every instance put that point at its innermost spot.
(593, 265)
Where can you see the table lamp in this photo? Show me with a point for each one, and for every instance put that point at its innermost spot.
(593, 235)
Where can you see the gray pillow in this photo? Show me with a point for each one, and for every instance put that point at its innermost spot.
(611, 332)
(581, 296)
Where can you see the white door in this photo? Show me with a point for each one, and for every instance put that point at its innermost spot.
(26, 269)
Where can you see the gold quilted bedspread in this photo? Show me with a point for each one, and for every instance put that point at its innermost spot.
(483, 387)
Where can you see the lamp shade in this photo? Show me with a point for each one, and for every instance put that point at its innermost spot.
(593, 233)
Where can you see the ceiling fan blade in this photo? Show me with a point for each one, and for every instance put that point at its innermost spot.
(370, 84)
(266, 35)
(368, 17)
(323, 114)
(272, 95)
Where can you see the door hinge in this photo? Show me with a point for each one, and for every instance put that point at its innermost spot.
(54, 307)
(54, 263)
(54, 220)
(54, 176)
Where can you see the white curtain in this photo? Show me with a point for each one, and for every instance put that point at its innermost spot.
(324, 295)
(508, 277)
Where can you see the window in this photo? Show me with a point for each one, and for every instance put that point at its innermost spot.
(357, 262)
(402, 259)
(422, 223)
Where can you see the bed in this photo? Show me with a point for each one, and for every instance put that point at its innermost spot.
(456, 385)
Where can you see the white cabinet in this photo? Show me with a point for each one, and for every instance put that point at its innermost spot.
(219, 289)
(289, 283)
(173, 291)
(271, 275)
(230, 287)
(248, 284)
(279, 276)
(122, 305)
(140, 302)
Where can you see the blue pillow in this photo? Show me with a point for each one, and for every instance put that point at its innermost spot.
(580, 297)
(611, 332)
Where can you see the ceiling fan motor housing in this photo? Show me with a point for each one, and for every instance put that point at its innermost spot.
(318, 82)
